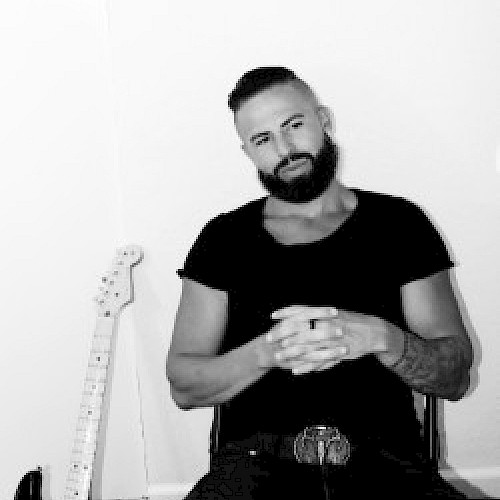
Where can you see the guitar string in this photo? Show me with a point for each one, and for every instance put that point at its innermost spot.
(141, 413)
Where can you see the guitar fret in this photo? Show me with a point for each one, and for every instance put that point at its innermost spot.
(90, 393)
(99, 370)
(89, 408)
(93, 387)
(79, 479)
(99, 379)
(92, 402)
(101, 343)
(72, 493)
(90, 426)
(81, 454)
(89, 416)
(97, 395)
(78, 465)
(85, 451)
(78, 476)
(85, 437)
(99, 374)
(99, 358)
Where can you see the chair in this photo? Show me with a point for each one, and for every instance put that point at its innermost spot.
(431, 433)
(430, 427)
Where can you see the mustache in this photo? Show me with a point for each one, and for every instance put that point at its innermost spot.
(290, 158)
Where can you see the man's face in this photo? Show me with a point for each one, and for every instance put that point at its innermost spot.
(284, 133)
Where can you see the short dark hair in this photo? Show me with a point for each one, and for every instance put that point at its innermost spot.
(256, 80)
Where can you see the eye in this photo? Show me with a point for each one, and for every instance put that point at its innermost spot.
(261, 140)
(297, 124)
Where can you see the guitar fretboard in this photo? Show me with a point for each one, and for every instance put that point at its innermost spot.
(90, 429)
(90, 416)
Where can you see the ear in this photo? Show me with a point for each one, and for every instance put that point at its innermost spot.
(326, 119)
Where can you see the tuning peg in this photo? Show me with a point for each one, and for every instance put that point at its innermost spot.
(108, 280)
(130, 254)
(99, 300)
(115, 272)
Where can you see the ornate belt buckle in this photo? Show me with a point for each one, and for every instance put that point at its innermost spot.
(320, 444)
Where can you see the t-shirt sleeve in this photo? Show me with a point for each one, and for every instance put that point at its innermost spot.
(421, 250)
(205, 261)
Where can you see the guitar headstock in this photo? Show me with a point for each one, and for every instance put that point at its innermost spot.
(116, 289)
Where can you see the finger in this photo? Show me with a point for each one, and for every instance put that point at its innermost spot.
(325, 349)
(334, 327)
(329, 364)
(300, 351)
(290, 364)
(290, 352)
(286, 328)
(322, 355)
(304, 368)
(304, 312)
(321, 334)
(305, 337)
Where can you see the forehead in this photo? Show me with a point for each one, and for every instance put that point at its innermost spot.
(270, 107)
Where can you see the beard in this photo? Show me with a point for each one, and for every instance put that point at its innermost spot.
(308, 186)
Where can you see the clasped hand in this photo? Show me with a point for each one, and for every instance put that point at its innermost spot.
(307, 339)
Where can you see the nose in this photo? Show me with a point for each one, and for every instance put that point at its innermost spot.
(283, 144)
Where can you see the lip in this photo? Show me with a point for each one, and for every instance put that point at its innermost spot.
(291, 167)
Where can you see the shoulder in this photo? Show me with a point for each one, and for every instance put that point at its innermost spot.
(383, 200)
(389, 207)
(248, 210)
(242, 215)
(230, 226)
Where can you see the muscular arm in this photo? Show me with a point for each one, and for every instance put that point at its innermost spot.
(438, 351)
(198, 376)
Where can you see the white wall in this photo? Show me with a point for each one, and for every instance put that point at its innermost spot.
(61, 222)
(114, 130)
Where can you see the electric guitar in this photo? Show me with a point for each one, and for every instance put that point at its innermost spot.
(116, 291)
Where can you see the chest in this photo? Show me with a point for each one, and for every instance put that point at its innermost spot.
(300, 230)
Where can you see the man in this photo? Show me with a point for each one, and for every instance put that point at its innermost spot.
(310, 315)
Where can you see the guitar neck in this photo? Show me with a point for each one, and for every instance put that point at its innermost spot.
(116, 291)
(93, 412)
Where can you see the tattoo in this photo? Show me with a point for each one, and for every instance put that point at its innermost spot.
(436, 366)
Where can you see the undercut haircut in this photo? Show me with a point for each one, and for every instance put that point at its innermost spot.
(262, 78)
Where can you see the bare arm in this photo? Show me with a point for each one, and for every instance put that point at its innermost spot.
(438, 350)
(197, 375)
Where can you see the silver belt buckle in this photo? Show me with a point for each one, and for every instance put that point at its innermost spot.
(320, 444)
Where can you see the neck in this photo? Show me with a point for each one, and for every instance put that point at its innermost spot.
(333, 200)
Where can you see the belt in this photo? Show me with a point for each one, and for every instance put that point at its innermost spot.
(314, 445)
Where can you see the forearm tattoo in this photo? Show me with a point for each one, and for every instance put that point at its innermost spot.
(435, 366)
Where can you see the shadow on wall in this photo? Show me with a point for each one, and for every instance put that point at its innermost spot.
(463, 485)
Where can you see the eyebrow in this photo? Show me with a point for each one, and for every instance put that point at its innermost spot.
(293, 117)
(284, 124)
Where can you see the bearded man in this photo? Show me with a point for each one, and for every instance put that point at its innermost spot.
(309, 317)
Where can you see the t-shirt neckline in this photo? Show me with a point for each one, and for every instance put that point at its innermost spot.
(347, 222)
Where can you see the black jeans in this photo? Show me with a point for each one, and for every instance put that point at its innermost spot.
(247, 474)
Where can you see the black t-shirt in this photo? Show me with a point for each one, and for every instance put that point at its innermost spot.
(386, 242)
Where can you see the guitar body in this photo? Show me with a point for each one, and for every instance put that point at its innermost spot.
(83, 478)
(30, 487)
